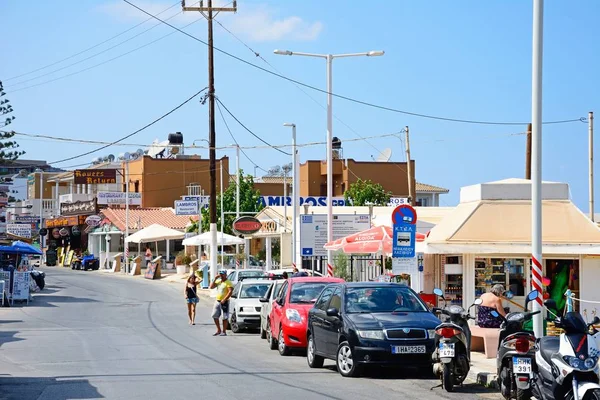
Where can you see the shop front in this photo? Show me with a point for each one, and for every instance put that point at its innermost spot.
(65, 237)
(486, 241)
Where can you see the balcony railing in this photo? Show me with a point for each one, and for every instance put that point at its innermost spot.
(74, 197)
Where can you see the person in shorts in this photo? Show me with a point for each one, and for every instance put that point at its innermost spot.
(191, 296)
(221, 308)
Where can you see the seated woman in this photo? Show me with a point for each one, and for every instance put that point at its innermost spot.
(491, 301)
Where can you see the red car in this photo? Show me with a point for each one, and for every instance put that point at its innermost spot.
(287, 324)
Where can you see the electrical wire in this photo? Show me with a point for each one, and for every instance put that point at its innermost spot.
(249, 131)
(93, 55)
(89, 48)
(133, 133)
(235, 141)
(350, 99)
(102, 63)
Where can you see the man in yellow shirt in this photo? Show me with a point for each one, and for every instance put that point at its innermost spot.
(224, 290)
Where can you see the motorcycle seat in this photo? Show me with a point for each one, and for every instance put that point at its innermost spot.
(549, 345)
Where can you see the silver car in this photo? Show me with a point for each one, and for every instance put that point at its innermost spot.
(245, 305)
(267, 303)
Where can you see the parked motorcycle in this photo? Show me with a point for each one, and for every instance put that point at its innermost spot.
(516, 352)
(566, 367)
(452, 357)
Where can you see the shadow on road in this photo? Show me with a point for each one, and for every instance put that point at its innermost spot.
(7, 337)
(43, 300)
(33, 388)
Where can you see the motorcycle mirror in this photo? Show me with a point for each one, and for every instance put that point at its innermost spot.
(533, 295)
(495, 314)
(438, 292)
(550, 303)
(509, 295)
(477, 302)
(596, 320)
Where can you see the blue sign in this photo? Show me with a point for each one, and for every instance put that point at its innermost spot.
(405, 231)
(273, 201)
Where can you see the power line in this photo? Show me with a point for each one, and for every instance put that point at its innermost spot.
(252, 133)
(93, 55)
(350, 99)
(102, 63)
(133, 133)
(89, 48)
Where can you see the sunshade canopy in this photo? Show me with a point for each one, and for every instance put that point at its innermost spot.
(19, 247)
(155, 233)
(204, 239)
(374, 240)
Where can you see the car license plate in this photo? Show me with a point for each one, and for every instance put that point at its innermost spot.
(446, 350)
(408, 349)
(521, 365)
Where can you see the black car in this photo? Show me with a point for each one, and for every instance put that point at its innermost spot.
(362, 323)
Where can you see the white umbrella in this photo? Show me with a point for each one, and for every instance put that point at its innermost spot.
(154, 233)
(204, 239)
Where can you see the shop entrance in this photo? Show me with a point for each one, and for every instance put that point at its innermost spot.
(563, 275)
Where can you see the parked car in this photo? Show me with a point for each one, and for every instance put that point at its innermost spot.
(365, 323)
(245, 303)
(237, 275)
(267, 304)
(279, 272)
(286, 328)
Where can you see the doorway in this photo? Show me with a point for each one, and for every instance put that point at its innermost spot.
(563, 275)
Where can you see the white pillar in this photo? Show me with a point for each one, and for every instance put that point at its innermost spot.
(168, 250)
(268, 255)
(247, 251)
(107, 242)
(57, 201)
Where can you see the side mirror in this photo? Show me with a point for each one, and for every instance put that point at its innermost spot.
(550, 303)
(596, 320)
(533, 295)
(478, 302)
(438, 292)
(264, 300)
(332, 312)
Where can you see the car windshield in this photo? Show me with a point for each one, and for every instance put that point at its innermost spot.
(382, 300)
(254, 290)
(306, 292)
(249, 274)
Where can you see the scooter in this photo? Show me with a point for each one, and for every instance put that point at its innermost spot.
(516, 352)
(567, 366)
(452, 357)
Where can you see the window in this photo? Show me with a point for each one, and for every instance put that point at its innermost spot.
(336, 300)
(254, 290)
(283, 293)
(423, 201)
(508, 272)
(384, 299)
(276, 289)
(306, 292)
(236, 291)
(231, 276)
(250, 274)
(136, 186)
(321, 304)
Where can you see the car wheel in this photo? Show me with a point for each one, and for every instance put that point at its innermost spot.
(235, 328)
(283, 349)
(270, 339)
(346, 365)
(314, 360)
(263, 333)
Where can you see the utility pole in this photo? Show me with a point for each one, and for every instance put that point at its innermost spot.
(528, 154)
(237, 190)
(591, 150)
(411, 191)
(211, 123)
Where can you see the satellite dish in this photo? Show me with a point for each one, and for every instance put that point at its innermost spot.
(111, 157)
(105, 159)
(121, 157)
(158, 148)
(384, 156)
(126, 156)
(140, 152)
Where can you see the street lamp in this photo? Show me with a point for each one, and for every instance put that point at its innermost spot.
(296, 192)
(41, 172)
(329, 58)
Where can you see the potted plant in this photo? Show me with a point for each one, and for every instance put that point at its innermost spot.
(182, 261)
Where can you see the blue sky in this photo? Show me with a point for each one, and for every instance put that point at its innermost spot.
(468, 59)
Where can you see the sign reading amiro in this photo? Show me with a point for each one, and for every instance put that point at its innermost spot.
(135, 199)
(246, 225)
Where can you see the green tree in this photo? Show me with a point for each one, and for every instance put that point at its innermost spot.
(249, 202)
(8, 147)
(365, 192)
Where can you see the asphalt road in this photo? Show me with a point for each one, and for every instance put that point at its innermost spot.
(90, 335)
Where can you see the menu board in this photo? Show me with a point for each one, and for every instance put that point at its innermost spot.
(21, 286)
(151, 271)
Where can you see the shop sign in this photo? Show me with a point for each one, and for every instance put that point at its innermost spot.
(43, 232)
(55, 233)
(65, 221)
(94, 176)
(118, 198)
(246, 225)
(64, 232)
(78, 208)
(26, 218)
(313, 230)
(20, 230)
(404, 218)
(273, 201)
(396, 201)
(93, 220)
(269, 226)
(75, 230)
(183, 207)
(204, 201)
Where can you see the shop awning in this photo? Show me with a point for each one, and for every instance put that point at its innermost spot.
(504, 227)
(154, 233)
